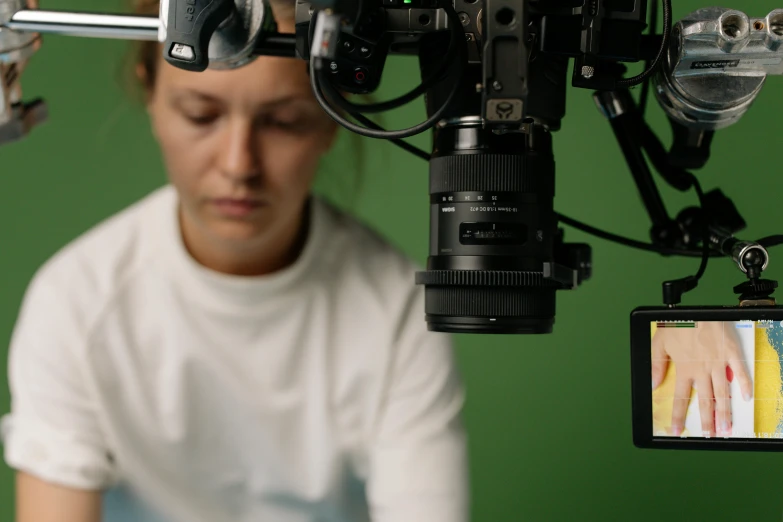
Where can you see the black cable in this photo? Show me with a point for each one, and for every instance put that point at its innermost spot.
(395, 103)
(408, 97)
(653, 29)
(667, 33)
(588, 229)
(565, 219)
(630, 242)
(770, 241)
(315, 79)
(676, 177)
(673, 290)
(318, 76)
(371, 124)
(403, 145)
(606, 235)
(705, 234)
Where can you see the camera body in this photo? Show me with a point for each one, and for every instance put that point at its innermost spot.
(504, 37)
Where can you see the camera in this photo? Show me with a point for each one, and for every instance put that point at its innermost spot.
(496, 256)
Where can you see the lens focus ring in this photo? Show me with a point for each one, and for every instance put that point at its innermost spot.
(492, 173)
(495, 278)
(462, 301)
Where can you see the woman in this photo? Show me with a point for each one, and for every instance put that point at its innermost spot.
(232, 348)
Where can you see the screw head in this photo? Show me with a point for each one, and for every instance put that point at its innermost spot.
(464, 18)
(588, 71)
(497, 85)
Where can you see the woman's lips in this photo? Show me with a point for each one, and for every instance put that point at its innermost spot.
(236, 207)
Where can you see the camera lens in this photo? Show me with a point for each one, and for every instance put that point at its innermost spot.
(493, 232)
(496, 256)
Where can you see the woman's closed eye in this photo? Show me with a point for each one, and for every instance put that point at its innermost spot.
(201, 118)
(289, 121)
(290, 118)
(198, 113)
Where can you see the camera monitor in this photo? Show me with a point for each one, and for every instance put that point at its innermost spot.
(707, 378)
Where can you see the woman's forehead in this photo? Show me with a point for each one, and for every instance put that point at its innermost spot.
(264, 78)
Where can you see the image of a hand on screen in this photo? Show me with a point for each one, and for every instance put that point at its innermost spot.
(706, 357)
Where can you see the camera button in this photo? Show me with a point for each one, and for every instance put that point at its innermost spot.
(365, 51)
(360, 75)
(183, 52)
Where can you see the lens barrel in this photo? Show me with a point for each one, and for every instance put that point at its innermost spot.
(493, 232)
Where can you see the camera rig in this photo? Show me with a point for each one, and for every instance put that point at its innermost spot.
(495, 75)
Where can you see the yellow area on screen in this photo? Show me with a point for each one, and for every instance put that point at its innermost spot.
(767, 406)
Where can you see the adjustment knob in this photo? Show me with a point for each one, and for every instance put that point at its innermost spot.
(190, 26)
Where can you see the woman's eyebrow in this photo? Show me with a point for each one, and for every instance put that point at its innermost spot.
(198, 95)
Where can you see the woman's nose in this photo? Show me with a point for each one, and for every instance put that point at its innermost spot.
(239, 155)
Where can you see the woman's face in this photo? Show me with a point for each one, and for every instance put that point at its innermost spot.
(242, 146)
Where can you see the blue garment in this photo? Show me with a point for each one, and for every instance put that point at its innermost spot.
(120, 504)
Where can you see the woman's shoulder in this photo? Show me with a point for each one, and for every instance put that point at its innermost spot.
(354, 242)
(374, 286)
(105, 255)
(371, 278)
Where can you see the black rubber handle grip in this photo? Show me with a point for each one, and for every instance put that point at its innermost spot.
(191, 24)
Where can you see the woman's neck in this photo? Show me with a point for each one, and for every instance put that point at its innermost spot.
(265, 255)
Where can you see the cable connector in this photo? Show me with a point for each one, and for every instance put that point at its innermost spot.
(673, 290)
(325, 37)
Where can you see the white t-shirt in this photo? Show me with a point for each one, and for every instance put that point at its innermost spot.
(314, 394)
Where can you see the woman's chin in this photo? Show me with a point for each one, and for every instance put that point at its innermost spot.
(238, 232)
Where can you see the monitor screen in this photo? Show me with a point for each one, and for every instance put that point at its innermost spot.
(716, 379)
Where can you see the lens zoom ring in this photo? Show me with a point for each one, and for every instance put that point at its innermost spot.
(484, 278)
(492, 173)
(489, 302)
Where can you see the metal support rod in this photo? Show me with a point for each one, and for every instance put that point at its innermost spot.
(620, 109)
(741, 252)
(276, 44)
(91, 25)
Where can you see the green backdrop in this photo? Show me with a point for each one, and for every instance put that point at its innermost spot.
(549, 417)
